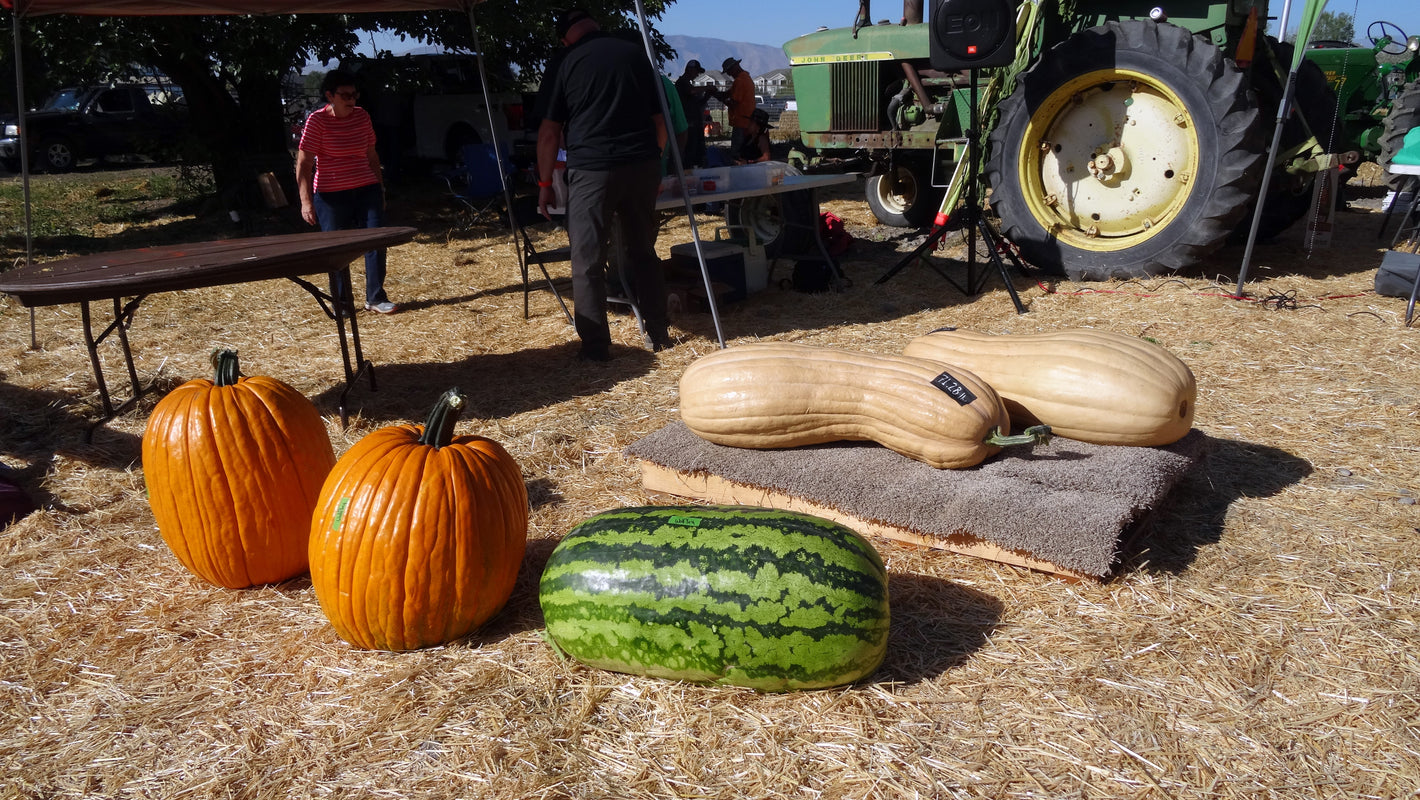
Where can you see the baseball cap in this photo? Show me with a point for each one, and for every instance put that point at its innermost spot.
(693, 66)
(729, 62)
(568, 18)
(761, 116)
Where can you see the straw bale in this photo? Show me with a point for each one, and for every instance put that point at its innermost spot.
(1258, 643)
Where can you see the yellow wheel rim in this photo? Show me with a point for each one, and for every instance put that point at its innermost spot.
(1109, 160)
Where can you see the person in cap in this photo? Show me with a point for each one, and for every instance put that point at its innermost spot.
(740, 101)
(602, 103)
(692, 101)
(756, 146)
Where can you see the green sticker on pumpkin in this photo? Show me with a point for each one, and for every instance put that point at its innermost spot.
(340, 507)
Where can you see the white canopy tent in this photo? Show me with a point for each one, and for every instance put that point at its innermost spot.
(32, 8)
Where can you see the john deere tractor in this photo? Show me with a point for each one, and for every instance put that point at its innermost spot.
(1377, 90)
(1127, 139)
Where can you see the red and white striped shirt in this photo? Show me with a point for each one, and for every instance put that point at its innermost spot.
(341, 148)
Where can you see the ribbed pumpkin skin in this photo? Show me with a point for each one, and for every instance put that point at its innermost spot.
(769, 395)
(233, 473)
(412, 545)
(1088, 385)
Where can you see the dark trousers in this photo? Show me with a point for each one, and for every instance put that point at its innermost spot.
(363, 207)
(738, 137)
(625, 193)
(694, 154)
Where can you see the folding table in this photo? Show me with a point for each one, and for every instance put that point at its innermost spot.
(143, 271)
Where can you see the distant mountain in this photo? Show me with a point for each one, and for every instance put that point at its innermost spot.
(756, 59)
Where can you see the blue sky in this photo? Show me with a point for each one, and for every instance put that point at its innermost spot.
(777, 21)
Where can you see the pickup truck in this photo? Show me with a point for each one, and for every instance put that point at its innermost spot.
(96, 122)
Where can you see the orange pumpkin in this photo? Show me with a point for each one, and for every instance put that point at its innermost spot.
(233, 467)
(418, 534)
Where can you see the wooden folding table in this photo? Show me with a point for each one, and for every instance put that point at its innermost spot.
(143, 271)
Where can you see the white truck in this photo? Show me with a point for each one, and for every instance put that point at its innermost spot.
(430, 104)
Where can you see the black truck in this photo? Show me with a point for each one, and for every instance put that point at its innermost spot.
(96, 122)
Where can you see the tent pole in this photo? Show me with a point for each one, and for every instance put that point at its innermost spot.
(24, 160)
(1283, 109)
(678, 163)
(493, 133)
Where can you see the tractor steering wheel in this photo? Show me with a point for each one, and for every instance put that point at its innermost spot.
(1397, 39)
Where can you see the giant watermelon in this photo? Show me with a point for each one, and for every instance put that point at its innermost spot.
(771, 600)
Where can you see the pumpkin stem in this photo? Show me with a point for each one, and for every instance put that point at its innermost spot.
(225, 367)
(439, 425)
(1036, 434)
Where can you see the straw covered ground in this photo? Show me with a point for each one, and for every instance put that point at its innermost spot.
(1259, 642)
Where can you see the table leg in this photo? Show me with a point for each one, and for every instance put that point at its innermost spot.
(93, 346)
(837, 272)
(341, 309)
(120, 315)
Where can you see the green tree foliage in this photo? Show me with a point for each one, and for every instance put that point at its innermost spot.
(1338, 27)
(231, 68)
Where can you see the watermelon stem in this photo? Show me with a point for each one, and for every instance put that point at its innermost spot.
(557, 649)
(226, 369)
(1036, 434)
(439, 425)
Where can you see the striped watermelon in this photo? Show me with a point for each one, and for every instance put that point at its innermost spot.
(770, 600)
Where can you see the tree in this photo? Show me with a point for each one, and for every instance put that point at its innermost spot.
(231, 68)
(1338, 27)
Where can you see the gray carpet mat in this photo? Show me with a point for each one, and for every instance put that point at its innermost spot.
(1066, 502)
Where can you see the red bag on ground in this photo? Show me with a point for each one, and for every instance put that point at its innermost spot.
(835, 237)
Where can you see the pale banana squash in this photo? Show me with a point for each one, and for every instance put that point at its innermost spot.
(774, 395)
(1088, 385)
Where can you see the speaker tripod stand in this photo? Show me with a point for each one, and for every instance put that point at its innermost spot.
(975, 224)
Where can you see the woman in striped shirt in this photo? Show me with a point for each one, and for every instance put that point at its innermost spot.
(341, 182)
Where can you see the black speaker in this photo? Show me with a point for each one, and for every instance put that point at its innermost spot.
(972, 33)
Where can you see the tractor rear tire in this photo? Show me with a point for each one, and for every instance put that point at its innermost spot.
(1128, 150)
(1404, 115)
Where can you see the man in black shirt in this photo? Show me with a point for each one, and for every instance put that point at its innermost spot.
(602, 100)
(692, 99)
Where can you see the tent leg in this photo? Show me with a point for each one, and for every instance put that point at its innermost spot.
(679, 164)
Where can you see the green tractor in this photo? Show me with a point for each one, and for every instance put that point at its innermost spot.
(1377, 90)
(1127, 140)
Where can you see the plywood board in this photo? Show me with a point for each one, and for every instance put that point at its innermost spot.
(714, 489)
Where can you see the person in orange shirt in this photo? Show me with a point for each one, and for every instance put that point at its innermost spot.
(740, 101)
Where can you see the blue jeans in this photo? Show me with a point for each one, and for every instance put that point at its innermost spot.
(363, 207)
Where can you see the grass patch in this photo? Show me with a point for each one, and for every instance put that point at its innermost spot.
(83, 203)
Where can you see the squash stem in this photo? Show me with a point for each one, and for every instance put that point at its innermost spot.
(439, 425)
(226, 370)
(1036, 434)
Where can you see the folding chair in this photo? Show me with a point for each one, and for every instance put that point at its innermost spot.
(476, 183)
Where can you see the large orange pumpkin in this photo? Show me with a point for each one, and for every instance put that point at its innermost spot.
(233, 467)
(418, 534)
